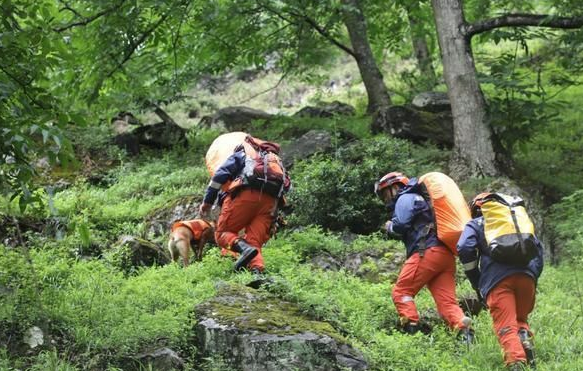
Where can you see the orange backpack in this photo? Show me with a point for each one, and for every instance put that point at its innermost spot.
(263, 167)
(450, 210)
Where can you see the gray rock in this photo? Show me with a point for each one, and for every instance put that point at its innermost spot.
(160, 359)
(326, 262)
(128, 142)
(131, 252)
(127, 117)
(312, 142)
(418, 126)
(332, 109)
(121, 127)
(432, 101)
(34, 337)
(376, 264)
(250, 330)
(161, 135)
(235, 118)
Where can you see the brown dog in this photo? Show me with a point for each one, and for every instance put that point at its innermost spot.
(190, 234)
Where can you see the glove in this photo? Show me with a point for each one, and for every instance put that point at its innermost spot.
(204, 209)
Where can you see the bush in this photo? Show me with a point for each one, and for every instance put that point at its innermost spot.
(336, 191)
(554, 159)
(285, 128)
(566, 222)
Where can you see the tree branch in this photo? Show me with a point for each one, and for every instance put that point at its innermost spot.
(24, 87)
(312, 23)
(283, 76)
(86, 20)
(520, 20)
(328, 37)
(135, 44)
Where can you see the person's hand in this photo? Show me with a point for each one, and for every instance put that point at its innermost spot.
(388, 226)
(482, 300)
(204, 209)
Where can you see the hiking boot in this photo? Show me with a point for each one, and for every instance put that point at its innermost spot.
(466, 334)
(246, 254)
(411, 328)
(526, 340)
(517, 366)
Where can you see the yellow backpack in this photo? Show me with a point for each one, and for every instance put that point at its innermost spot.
(509, 231)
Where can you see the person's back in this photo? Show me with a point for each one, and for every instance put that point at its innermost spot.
(508, 289)
(257, 183)
(429, 263)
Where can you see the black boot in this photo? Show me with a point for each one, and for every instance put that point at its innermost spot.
(411, 328)
(466, 334)
(517, 366)
(246, 253)
(528, 346)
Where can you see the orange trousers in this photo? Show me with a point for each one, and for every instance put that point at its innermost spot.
(510, 303)
(251, 210)
(436, 269)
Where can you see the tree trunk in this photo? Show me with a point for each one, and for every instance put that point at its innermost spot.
(421, 51)
(473, 150)
(378, 96)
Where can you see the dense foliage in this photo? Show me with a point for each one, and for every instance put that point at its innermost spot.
(336, 191)
(67, 194)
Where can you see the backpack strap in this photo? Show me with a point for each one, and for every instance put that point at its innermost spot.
(421, 189)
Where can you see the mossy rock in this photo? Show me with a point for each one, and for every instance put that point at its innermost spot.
(253, 330)
(132, 252)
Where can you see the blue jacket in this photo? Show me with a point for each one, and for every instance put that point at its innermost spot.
(483, 272)
(411, 214)
(230, 170)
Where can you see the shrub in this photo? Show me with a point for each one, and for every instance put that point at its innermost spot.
(566, 222)
(554, 159)
(336, 191)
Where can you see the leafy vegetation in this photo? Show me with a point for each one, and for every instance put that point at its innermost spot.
(67, 194)
(336, 191)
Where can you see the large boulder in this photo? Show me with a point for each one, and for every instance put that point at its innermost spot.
(418, 126)
(237, 118)
(432, 101)
(250, 330)
(332, 109)
(132, 252)
(162, 359)
(312, 142)
(161, 135)
(128, 142)
(375, 264)
(158, 136)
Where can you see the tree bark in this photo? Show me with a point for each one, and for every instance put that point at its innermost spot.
(473, 150)
(378, 96)
(163, 115)
(421, 50)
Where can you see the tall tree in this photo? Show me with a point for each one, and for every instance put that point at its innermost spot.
(378, 96)
(473, 149)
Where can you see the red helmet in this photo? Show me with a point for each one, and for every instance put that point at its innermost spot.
(477, 202)
(388, 180)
